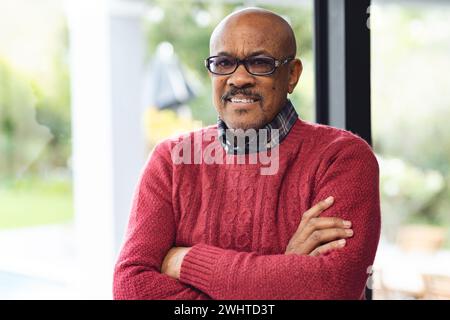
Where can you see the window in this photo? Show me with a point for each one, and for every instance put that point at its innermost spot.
(35, 149)
(410, 112)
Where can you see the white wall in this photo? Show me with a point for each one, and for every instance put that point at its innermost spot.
(107, 51)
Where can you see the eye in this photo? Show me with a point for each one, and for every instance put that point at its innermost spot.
(223, 62)
(260, 62)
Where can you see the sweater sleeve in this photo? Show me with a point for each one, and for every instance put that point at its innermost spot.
(150, 235)
(351, 175)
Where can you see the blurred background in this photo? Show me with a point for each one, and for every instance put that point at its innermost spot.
(88, 88)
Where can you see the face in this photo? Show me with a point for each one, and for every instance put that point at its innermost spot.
(244, 100)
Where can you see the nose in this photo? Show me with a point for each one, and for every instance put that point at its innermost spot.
(241, 78)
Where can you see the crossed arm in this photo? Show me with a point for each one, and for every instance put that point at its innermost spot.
(316, 264)
(315, 236)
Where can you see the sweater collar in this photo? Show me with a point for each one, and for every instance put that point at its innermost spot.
(262, 139)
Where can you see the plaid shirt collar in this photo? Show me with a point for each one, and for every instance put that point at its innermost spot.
(283, 122)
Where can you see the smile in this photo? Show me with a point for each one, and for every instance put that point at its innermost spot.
(240, 100)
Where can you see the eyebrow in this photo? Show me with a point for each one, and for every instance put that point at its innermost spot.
(253, 54)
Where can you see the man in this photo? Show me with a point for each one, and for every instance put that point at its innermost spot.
(224, 230)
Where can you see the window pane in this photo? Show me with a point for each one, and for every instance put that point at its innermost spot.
(35, 148)
(410, 59)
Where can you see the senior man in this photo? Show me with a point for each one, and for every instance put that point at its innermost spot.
(222, 228)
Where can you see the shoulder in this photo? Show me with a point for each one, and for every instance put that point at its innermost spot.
(332, 144)
(324, 137)
(178, 143)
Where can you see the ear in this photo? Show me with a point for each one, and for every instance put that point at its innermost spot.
(295, 71)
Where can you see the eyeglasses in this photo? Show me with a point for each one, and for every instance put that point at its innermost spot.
(255, 65)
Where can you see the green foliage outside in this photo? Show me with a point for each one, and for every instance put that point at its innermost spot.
(34, 201)
(35, 144)
(411, 108)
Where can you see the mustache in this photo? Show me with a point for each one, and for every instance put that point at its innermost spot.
(243, 92)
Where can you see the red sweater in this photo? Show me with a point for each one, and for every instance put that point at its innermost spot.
(239, 222)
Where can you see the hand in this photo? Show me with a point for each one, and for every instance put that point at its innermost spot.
(315, 236)
(172, 262)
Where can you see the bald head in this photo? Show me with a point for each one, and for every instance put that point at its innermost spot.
(275, 32)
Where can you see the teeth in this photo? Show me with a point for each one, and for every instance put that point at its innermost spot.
(237, 100)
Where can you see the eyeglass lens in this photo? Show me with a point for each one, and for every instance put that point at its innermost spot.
(255, 65)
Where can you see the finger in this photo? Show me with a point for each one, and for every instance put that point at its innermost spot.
(319, 207)
(315, 211)
(334, 245)
(320, 237)
(322, 223)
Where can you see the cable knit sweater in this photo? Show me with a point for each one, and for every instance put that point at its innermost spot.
(239, 222)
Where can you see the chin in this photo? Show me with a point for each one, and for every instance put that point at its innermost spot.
(241, 118)
(245, 125)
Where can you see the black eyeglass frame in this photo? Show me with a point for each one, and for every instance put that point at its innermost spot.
(277, 64)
